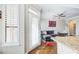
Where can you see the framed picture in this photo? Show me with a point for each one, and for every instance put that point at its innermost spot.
(52, 23)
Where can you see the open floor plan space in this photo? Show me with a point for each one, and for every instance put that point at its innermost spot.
(39, 28)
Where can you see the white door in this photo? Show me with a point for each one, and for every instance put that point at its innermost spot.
(34, 31)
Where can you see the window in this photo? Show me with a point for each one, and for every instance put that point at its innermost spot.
(11, 24)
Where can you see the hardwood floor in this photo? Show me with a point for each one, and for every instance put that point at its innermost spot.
(71, 41)
(44, 50)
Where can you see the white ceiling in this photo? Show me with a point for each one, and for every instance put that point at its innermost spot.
(70, 10)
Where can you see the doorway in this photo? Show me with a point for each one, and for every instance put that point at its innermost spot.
(72, 28)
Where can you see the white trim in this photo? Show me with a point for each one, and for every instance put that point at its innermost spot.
(32, 11)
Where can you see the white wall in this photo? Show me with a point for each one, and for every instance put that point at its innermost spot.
(46, 16)
(60, 26)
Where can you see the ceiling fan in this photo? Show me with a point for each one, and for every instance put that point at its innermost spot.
(60, 15)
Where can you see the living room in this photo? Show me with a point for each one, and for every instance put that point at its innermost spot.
(58, 23)
(35, 29)
(41, 28)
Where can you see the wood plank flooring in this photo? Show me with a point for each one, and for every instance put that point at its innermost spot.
(70, 41)
(44, 50)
